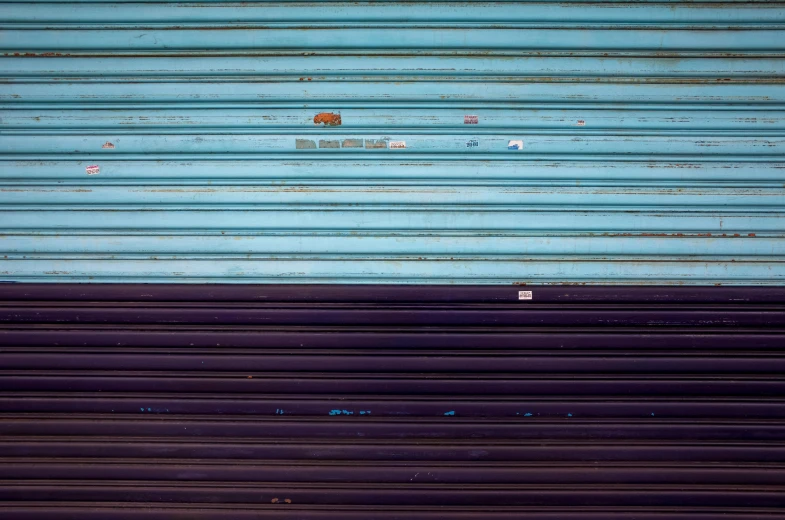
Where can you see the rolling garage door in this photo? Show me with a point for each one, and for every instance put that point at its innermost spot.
(277, 155)
(406, 142)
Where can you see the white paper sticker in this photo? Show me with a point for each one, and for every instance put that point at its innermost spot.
(397, 144)
(93, 169)
(471, 119)
(524, 295)
(581, 122)
(515, 145)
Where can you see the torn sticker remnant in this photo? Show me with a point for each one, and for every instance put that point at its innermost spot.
(581, 122)
(376, 143)
(525, 295)
(352, 143)
(93, 169)
(107, 146)
(473, 143)
(325, 143)
(305, 144)
(515, 145)
(471, 120)
(398, 144)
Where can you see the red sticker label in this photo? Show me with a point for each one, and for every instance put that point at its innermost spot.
(471, 120)
(92, 169)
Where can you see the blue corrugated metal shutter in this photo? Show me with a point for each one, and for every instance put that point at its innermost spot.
(413, 142)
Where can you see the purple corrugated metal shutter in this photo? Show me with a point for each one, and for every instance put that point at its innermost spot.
(343, 402)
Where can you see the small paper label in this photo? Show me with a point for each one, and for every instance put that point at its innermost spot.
(93, 169)
(473, 143)
(515, 145)
(524, 295)
(397, 144)
(107, 146)
(581, 122)
(471, 120)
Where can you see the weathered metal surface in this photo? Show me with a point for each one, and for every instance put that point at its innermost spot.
(380, 402)
(393, 142)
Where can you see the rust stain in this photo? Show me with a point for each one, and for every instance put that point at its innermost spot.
(328, 118)
(288, 500)
(274, 501)
(39, 54)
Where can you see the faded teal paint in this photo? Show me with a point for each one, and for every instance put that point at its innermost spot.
(653, 140)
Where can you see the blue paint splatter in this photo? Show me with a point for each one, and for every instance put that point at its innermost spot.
(149, 409)
(652, 414)
(278, 411)
(527, 414)
(365, 412)
(341, 412)
(569, 415)
(142, 409)
(451, 412)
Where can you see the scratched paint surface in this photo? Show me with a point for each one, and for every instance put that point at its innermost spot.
(328, 142)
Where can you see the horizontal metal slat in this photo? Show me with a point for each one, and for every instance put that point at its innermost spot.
(431, 218)
(285, 196)
(426, 430)
(397, 243)
(381, 472)
(390, 68)
(392, 37)
(349, 408)
(395, 170)
(513, 92)
(82, 12)
(391, 269)
(255, 382)
(587, 120)
(393, 495)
